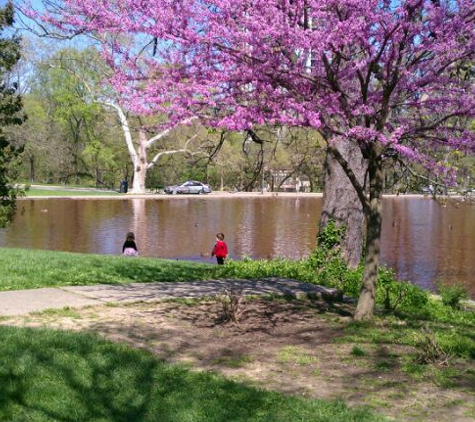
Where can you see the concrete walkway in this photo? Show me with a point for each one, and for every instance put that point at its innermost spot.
(22, 302)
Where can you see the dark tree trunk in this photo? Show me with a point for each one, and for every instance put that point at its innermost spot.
(340, 201)
(31, 160)
(365, 307)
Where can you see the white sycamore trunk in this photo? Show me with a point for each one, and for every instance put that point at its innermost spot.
(140, 165)
(138, 155)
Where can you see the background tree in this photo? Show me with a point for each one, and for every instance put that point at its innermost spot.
(39, 142)
(10, 107)
(68, 138)
(143, 136)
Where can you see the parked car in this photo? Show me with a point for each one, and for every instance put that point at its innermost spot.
(190, 186)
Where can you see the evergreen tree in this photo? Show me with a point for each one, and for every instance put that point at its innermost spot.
(10, 106)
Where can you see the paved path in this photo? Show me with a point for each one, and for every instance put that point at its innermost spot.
(22, 302)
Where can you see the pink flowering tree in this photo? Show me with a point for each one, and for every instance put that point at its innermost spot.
(387, 77)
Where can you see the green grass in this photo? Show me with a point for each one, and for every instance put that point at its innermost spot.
(49, 375)
(357, 351)
(233, 361)
(65, 312)
(67, 192)
(403, 345)
(455, 337)
(30, 268)
(295, 355)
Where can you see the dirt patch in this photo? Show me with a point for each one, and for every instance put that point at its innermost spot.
(289, 346)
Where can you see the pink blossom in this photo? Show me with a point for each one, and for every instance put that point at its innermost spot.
(387, 72)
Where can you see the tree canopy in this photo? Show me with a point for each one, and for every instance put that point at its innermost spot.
(373, 71)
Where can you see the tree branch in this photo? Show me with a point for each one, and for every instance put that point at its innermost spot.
(184, 150)
(151, 141)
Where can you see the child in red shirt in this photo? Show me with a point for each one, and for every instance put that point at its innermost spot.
(220, 250)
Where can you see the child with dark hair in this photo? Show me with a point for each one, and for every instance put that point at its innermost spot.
(130, 248)
(220, 249)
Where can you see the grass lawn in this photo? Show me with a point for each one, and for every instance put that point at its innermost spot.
(30, 269)
(33, 192)
(52, 375)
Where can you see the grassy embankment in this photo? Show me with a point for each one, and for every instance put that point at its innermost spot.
(38, 191)
(110, 381)
(30, 269)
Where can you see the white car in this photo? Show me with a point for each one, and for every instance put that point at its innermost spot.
(190, 186)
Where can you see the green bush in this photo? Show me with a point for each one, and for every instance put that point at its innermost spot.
(397, 295)
(328, 264)
(458, 343)
(452, 295)
(330, 238)
(437, 311)
(357, 352)
(249, 268)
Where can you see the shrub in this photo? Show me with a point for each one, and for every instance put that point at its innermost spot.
(330, 238)
(397, 295)
(452, 295)
(232, 305)
(327, 261)
(249, 269)
(430, 349)
(357, 352)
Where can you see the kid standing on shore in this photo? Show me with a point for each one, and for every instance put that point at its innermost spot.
(220, 250)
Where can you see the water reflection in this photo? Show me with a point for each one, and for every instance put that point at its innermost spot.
(428, 242)
(424, 241)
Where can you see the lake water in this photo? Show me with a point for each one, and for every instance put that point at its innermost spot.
(424, 241)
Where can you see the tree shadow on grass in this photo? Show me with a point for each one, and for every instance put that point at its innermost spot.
(55, 375)
(132, 270)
